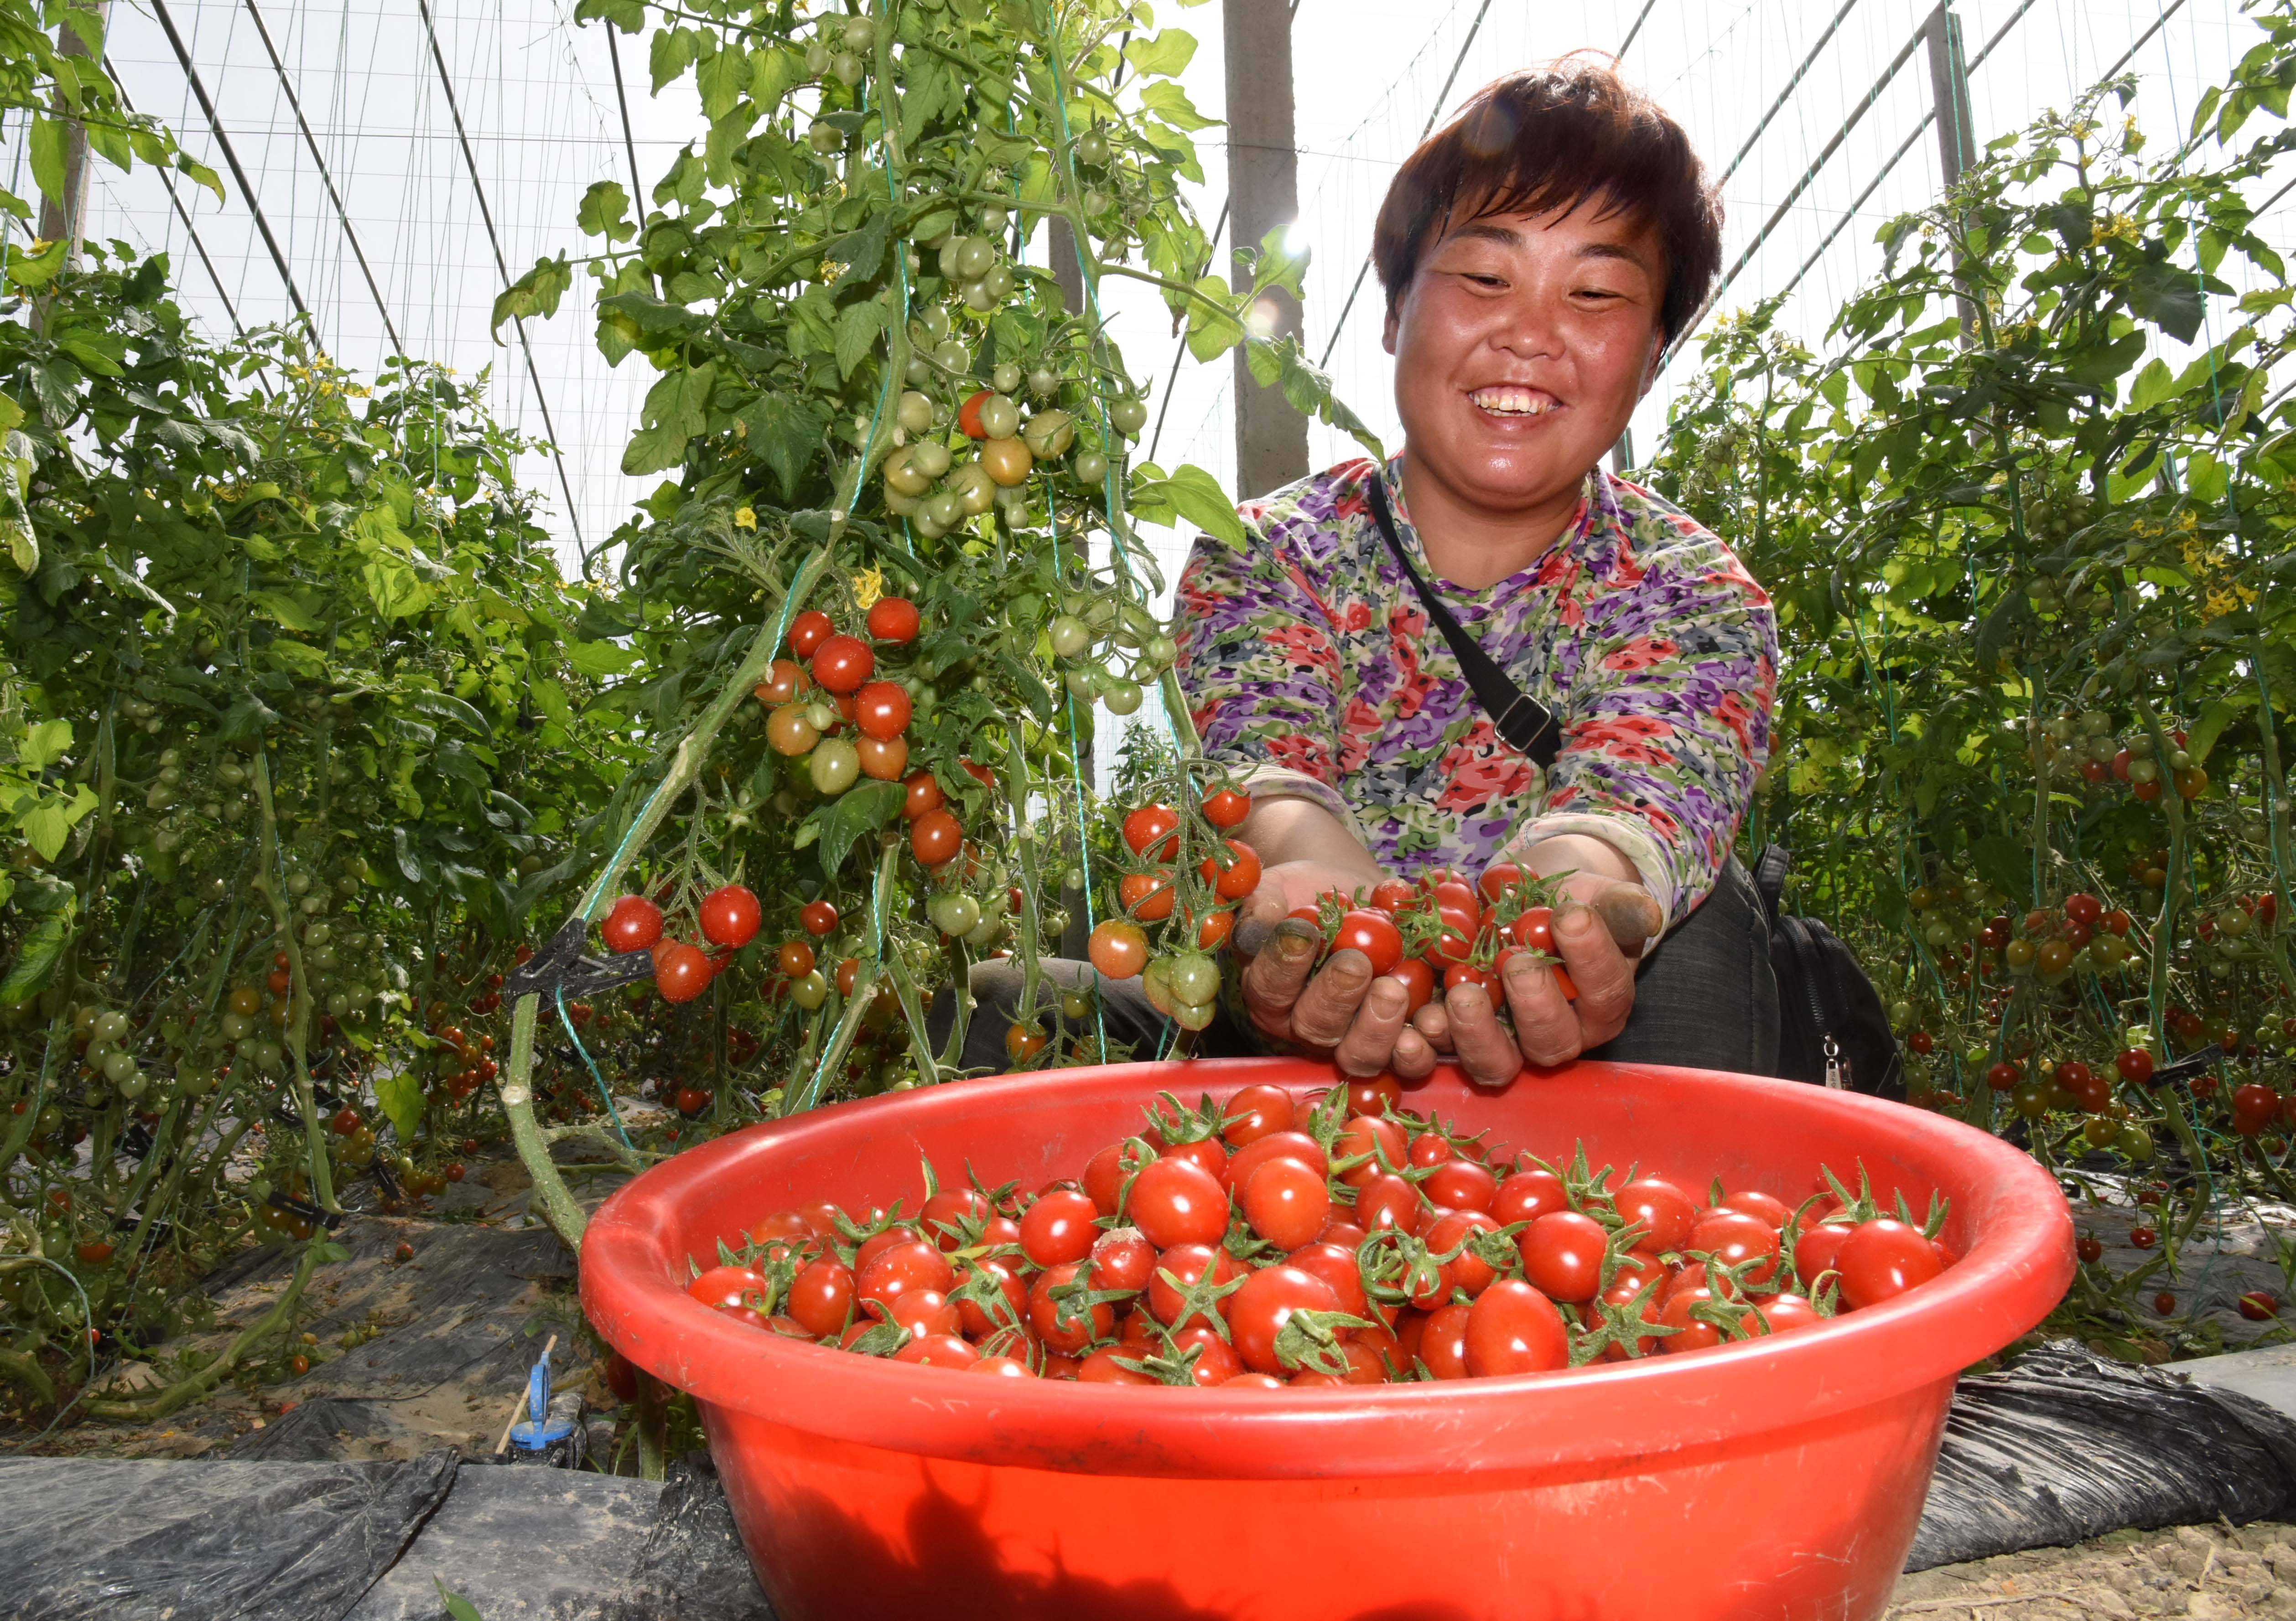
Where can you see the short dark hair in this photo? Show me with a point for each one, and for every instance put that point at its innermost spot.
(1549, 138)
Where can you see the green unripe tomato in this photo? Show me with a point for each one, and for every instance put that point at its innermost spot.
(915, 412)
(1091, 149)
(950, 258)
(1069, 636)
(1091, 467)
(929, 457)
(935, 320)
(1044, 382)
(997, 283)
(1122, 697)
(111, 1027)
(1000, 418)
(946, 509)
(1194, 978)
(1128, 416)
(925, 524)
(1008, 378)
(860, 33)
(816, 60)
(953, 357)
(132, 1085)
(978, 299)
(903, 476)
(822, 714)
(973, 259)
(845, 68)
(810, 992)
(825, 139)
(1049, 434)
(833, 765)
(974, 489)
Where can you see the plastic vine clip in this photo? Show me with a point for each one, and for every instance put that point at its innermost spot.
(560, 965)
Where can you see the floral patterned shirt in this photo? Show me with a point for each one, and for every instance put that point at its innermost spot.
(1310, 666)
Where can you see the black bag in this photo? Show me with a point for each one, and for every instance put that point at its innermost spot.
(1833, 1028)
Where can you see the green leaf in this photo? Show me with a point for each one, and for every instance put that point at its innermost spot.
(535, 293)
(550, 698)
(1170, 103)
(677, 409)
(785, 433)
(199, 174)
(1214, 327)
(1164, 56)
(43, 945)
(41, 746)
(599, 659)
(721, 80)
(1278, 265)
(857, 327)
(864, 806)
(2154, 384)
(401, 1097)
(1195, 495)
(394, 587)
(458, 1608)
(672, 52)
(651, 316)
(284, 610)
(774, 72)
(2215, 716)
(604, 212)
(2003, 862)
(48, 155)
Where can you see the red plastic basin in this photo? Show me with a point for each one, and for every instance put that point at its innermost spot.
(1776, 1477)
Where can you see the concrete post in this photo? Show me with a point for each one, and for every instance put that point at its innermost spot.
(1263, 170)
(65, 218)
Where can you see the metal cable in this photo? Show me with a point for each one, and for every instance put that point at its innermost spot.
(168, 182)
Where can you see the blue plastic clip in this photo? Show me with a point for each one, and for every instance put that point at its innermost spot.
(538, 1429)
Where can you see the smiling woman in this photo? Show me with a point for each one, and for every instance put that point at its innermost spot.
(1538, 255)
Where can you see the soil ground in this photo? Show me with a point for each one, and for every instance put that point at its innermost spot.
(2209, 1573)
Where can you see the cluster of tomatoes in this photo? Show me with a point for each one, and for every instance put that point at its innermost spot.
(1312, 1241)
(727, 918)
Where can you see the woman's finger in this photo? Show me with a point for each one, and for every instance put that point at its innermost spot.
(1434, 1026)
(1604, 975)
(1262, 910)
(1546, 1028)
(1415, 1055)
(1370, 1041)
(1274, 979)
(1327, 1007)
(1486, 1052)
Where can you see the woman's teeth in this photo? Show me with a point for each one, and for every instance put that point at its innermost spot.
(1512, 402)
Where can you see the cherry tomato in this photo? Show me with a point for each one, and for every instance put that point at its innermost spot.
(1179, 1268)
(821, 1297)
(893, 618)
(1066, 1325)
(1733, 1237)
(848, 970)
(1498, 878)
(1378, 1142)
(635, 924)
(681, 973)
(1465, 1272)
(795, 959)
(1268, 1299)
(924, 795)
(1146, 895)
(1335, 1264)
(1286, 1203)
(730, 916)
(1059, 1227)
(908, 1262)
(1122, 1258)
(2135, 1064)
(1148, 825)
(2258, 1306)
(1883, 1258)
(1461, 1184)
(1562, 1255)
(819, 917)
(1227, 807)
(1753, 1202)
(1375, 1094)
(1242, 875)
(1255, 1112)
(1375, 935)
(1818, 1250)
(1664, 1211)
(1296, 1145)
(1779, 1313)
(1513, 1329)
(808, 631)
(1177, 1201)
(1443, 1341)
(1691, 1333)
(1463, 973)
(881, 709)
(1418, 983)
(1023, 1043)
(842, 663)
(935, 838)
(1385, 1201)
(968, 414)
(1534, 930)
(1525, 1196)
(1117, 949)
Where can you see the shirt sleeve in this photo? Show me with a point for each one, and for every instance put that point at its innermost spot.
(1667, 721)
(1260, 666)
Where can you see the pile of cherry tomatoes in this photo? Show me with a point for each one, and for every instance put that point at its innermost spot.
(1327, 1240)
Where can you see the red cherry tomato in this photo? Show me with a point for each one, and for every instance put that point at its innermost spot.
(1375, 935)
(968, 414)
(819, 917)
(821, 1297)
(1734, 1237)
(1562, 1255)
(681, 973)
(1179, 1268)
(1513, 1329)
(1883, 1258)
(1236, 1169)
(808, 631)
(728, 1288)
(1177, 1201)
(1255, 1112)
(1527, 1195)
(1464, 973)
(1753, 1202)
(842, 663)
(1498, 878)
(795, 959)
(881, 709)
(935, 838)
(635, 924)
(893, 618)
(1534, 930)
(1286, 1203)
(1268, 1299)
(1817, 1251)
(1059, 1227)
(1377, 1143)
(2135, 1064)
(1418, 983)
(1443, 1342)
(1227, 807)
(730, 916)
(1242, 875)
(1664, 1211)
(1148, 825)
(1065, 1324)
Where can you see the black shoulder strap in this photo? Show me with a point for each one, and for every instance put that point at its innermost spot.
(1770, 878)
(1523, 723)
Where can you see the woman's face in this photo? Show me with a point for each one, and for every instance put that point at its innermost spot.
(1521, 348)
